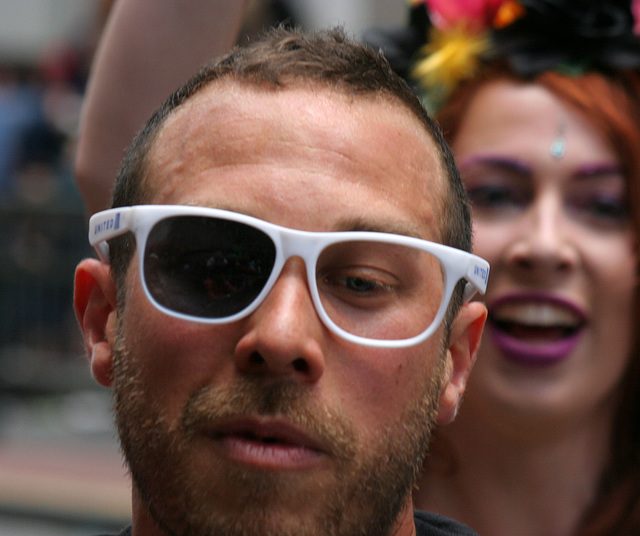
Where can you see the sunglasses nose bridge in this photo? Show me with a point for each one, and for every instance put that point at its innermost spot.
(301, 244)
(294, 247)
(306, 246)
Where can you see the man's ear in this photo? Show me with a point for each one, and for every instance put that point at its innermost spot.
(464, 341)
(95, 300)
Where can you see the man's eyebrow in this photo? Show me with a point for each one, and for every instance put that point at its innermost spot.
(507, 162)
(219, 206)
(390, 227)
(345, 224)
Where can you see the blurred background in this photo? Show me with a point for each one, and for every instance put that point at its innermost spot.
(60, 469)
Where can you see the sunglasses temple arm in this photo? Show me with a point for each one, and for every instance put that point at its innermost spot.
(469, 292)
(477, 277)
(106, 225)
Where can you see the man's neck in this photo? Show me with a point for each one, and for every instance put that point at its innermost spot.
(142, 521)
(144, 525)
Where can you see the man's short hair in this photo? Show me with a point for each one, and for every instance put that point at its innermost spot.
(284, 58)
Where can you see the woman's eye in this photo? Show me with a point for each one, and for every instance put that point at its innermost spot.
(496, 186)
(606, 209)
(495, 197)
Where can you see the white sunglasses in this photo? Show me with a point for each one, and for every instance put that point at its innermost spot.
(214, 266)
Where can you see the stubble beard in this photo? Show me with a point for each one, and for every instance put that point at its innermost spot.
(368, 491)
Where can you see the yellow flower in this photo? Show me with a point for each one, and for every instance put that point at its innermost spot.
(449, 57)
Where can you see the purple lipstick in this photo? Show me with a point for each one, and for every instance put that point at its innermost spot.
(535, 329)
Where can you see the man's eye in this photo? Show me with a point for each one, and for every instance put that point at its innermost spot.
(355, 284)
(359, 288)
(359, 284)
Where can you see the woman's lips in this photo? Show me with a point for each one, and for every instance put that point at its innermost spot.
(535, 329)
(266, 444)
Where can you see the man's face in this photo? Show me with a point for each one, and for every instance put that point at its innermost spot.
(273, 424)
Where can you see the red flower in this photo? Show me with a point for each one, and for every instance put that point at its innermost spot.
(476, 15)
(635, 11)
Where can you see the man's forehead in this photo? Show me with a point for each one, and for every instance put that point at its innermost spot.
(225, 102)
(231, 96)
(236, 124)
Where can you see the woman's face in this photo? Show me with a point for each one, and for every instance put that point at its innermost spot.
(551, 215)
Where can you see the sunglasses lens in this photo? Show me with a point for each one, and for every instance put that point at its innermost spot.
(206, 267)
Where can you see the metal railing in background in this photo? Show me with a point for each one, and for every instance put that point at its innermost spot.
(60, 468)
(43, 237)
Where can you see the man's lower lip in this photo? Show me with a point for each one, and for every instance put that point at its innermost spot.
(536, 353)
(267, 455)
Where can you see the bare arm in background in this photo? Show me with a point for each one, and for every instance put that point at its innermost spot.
(148, 49)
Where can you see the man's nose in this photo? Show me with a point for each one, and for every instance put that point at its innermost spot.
(284, 334)
(544, 242)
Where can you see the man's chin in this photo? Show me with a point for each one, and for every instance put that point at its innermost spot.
(190, 487)
(184, 498)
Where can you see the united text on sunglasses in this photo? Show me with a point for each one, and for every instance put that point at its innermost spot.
(215, 266)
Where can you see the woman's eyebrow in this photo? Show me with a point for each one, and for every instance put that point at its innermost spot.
(506, 162)
(596, 169)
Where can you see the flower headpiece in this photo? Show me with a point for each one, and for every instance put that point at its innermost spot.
(447, 41)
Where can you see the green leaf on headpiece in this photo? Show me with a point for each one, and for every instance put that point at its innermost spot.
(574, 68)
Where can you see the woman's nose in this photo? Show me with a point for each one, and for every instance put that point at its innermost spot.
(544, 243)
(284, 334)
